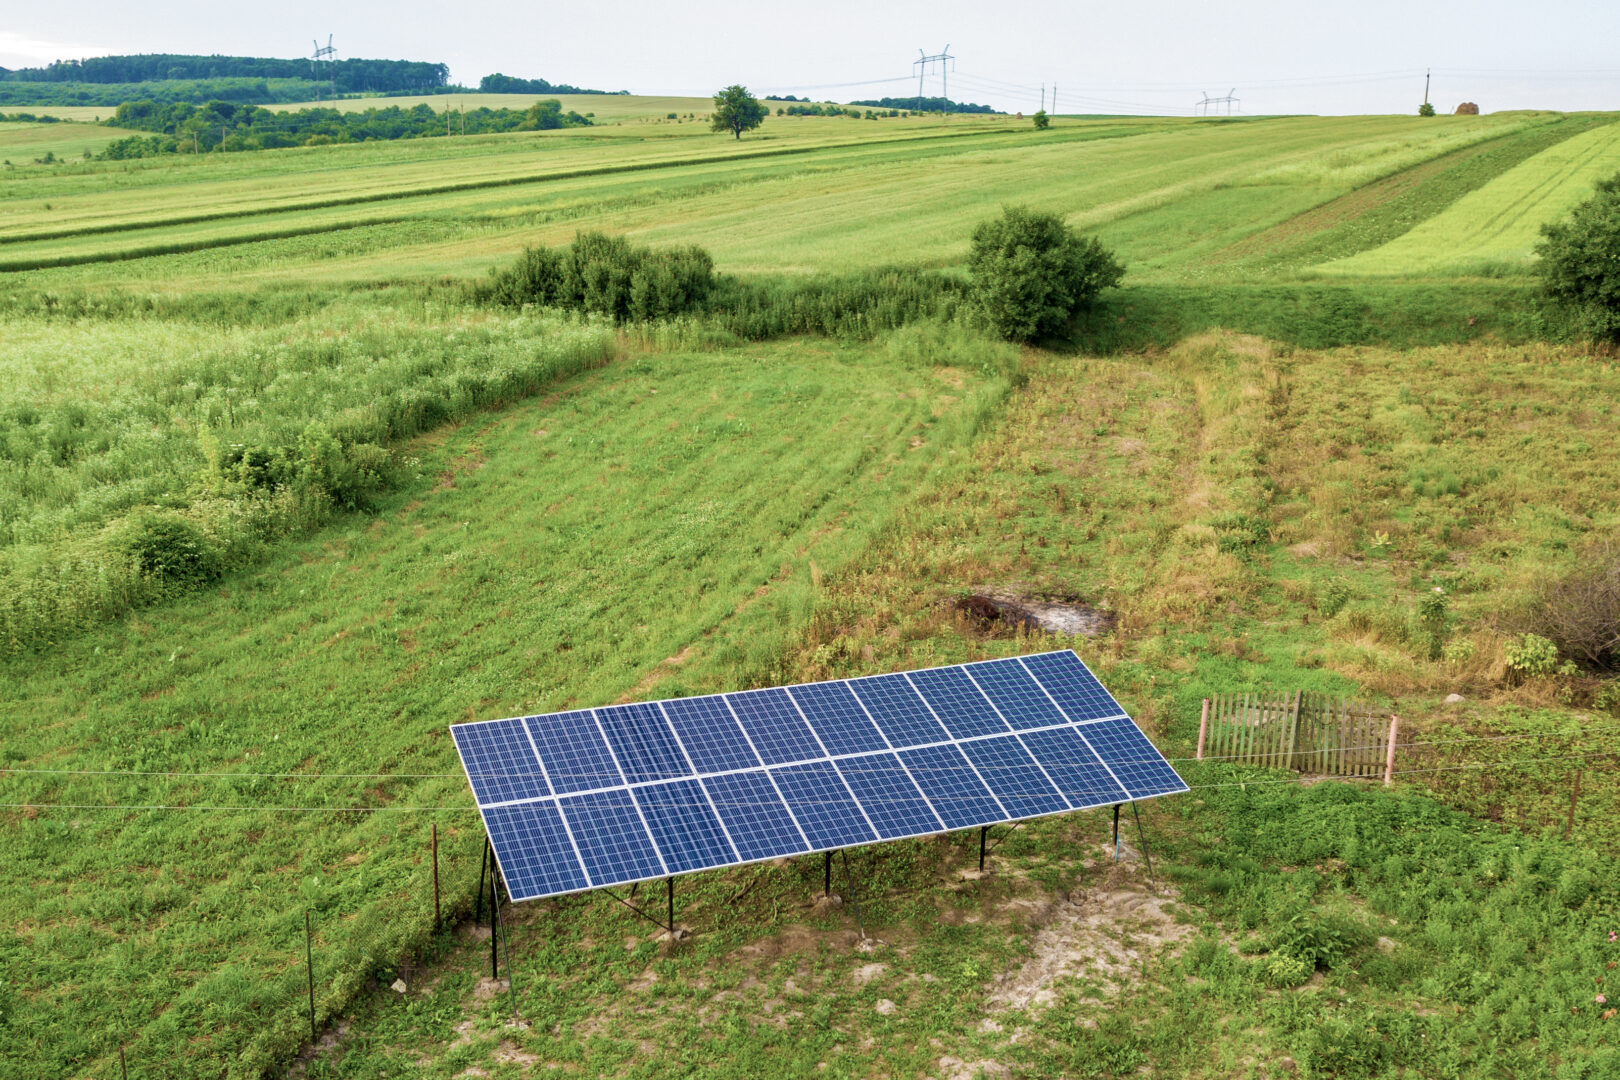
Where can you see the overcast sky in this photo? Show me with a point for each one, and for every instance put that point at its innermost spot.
(1149, 56)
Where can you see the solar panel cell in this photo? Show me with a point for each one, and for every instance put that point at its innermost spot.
(822, 806)
(957, 702)
(1140, 767)
(755, 816)
(499, 761)
(535, 856)
(1014, 777)
(607, 827)
(576, 758)
(683, 826)
(837, 717)
(642, 742)
(1015, 694)
(710, 734)
(953, 786)
(1072, 685)
(774, 726)
(1078, 773)
(890, 799)
(898, 710)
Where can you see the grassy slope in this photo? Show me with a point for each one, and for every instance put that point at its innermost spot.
(606, 107)
(512, 577)
(830, 207)
(1499, 225)
(1444, 946)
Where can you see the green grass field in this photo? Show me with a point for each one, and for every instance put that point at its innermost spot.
(1303, 413)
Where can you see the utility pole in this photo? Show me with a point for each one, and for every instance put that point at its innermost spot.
(1054, 99)
(1043, 97)
(324, 54)
(924, 60)
(1426, 75)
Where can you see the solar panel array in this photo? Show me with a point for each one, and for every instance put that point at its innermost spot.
(594, 797)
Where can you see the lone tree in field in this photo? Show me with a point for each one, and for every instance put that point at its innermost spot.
(1580, 261)
(1041, 120)
(1032, 273)
(736, 111)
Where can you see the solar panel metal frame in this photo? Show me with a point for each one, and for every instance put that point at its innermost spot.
(480, 742)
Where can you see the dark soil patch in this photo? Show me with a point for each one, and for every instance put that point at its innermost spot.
(1005, 614)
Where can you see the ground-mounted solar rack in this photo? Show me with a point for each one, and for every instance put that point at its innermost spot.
(617, 795)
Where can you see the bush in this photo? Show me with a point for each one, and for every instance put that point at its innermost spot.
(1580, 261)
(1530, 656)
(1032, 273)
(1580, 614)
(1042, 121)
(165, 546)
(607, 275)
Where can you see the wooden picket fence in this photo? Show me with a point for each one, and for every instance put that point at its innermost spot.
(1307, 732)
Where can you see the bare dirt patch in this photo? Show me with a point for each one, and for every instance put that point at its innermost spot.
(999, 611)
(1101, 933)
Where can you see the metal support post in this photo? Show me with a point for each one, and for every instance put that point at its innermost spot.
(494, 905)
(983, 829)
(1142, 836)
(1116, 832)
(826, 874)
(669, 885)
(483, 865)
(853, 899)
(435, 875)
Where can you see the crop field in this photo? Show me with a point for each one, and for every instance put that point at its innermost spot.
(1305, 415)
(1498, 225)
(605, 108)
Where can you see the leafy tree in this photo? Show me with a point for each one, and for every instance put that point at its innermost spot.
(736, 111)
(1425, 109)
(1042, 120)
(1032, 273)
(1580, 261)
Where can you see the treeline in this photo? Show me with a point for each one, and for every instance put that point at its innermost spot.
(926, 104)
(834, 110)
(352, 76)
(183, 128)
(508, 84)
(197, 91)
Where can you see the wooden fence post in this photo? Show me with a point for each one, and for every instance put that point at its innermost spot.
(1389, 758)
(1203, 729)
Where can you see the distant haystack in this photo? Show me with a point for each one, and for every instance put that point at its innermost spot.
(1467, 108)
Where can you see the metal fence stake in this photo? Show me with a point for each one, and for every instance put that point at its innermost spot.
(309, 967)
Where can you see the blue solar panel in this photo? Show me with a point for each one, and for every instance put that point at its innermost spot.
(625, 793)
(1014, 777)
(891, 800)
(1015, 694)
(612, 840)
(822, 806)
(710, 733)
(1126, 751)
(774, 726)
(1072, 685)
(837, 717)
(684, 826)
(957, 702)
(575, 756)
(642, 742)
(533, 850)
(953, 786)
(755, 816)
(1079, 775)
(903, 716)
(500, 763)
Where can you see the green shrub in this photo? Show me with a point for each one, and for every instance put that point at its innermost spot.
(1531, 656)
(606, 275)
(1580, 261)
(166, 546)
(1042, 121)
(1032, 274)
(1333, 595)
(1282, 970)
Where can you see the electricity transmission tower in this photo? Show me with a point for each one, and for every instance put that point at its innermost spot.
(324, 54)
(1229, 100)
(924, 60)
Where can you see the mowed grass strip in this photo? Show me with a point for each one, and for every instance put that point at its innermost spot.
(1498, 225)
(680, 505)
